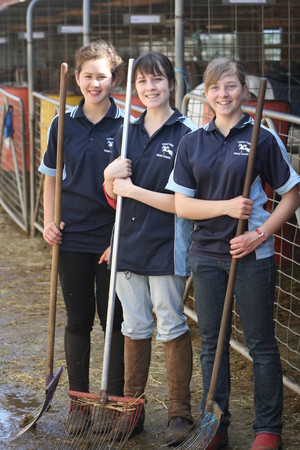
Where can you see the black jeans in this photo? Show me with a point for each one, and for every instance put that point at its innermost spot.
(85, 284)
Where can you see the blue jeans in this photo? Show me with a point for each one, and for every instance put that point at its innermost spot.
(254, 291)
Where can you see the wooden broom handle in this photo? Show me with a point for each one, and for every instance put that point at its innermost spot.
(234, 262)
(57, 218)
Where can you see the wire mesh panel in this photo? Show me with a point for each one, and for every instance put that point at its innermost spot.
(287, 248)
(14, 161)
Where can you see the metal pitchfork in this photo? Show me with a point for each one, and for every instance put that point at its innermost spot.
(30, 420)
(106, 421)
(209, 422)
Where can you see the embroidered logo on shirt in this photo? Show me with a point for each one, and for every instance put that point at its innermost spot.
(244, 148)
(109, 143)
(166, 150)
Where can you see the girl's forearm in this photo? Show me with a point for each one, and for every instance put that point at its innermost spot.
(109, 183)
(49, 199)
(284, 210)
(158, 200)
(197, 209)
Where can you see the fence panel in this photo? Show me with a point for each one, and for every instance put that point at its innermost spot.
(287, 247)
(14, 161)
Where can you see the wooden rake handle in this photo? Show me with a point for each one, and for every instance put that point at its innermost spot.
(57, 218)
(234, 262)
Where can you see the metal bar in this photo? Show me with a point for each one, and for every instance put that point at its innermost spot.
(13, 216)
(17, 174)
(179, 52)
(114, 256)
(24, 169)
(243, 351)
(30, 103)
(86, 7)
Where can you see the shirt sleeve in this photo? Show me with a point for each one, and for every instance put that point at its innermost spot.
(181, 179)
(277, 168)
(48, 164)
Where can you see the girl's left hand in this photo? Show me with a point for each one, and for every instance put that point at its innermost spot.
(119, 168)
(244, 244)
(123, 187)
(105, 256)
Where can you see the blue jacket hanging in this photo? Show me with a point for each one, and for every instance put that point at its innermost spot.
(8, 123)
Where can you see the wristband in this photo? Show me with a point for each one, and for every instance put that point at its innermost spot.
(261, 235)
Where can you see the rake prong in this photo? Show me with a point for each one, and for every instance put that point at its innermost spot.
(105, 425)
(205, 430)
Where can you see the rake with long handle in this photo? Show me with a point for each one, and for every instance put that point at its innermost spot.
(115, 248)
(105, 421)
(52, 381)
(204, 432)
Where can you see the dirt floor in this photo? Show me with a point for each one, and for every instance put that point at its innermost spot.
(24, 298)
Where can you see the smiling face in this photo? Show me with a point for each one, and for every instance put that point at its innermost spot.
(95, 81)
(153, 89)
(225, 96)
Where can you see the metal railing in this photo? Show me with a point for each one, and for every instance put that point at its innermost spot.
(287, 248)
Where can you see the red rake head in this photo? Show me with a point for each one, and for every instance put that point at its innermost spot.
(94, 424)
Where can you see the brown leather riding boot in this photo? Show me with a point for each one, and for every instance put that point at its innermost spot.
(179, 364)
(137, 357)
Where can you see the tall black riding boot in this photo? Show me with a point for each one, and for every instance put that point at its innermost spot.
(77, 351)
(116, 365)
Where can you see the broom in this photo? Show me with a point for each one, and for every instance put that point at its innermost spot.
(208, 425)
(106, 421)
(52, 381)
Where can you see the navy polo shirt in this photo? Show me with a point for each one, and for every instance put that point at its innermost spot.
(152, 242)
(210, 166)
(87, 146)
